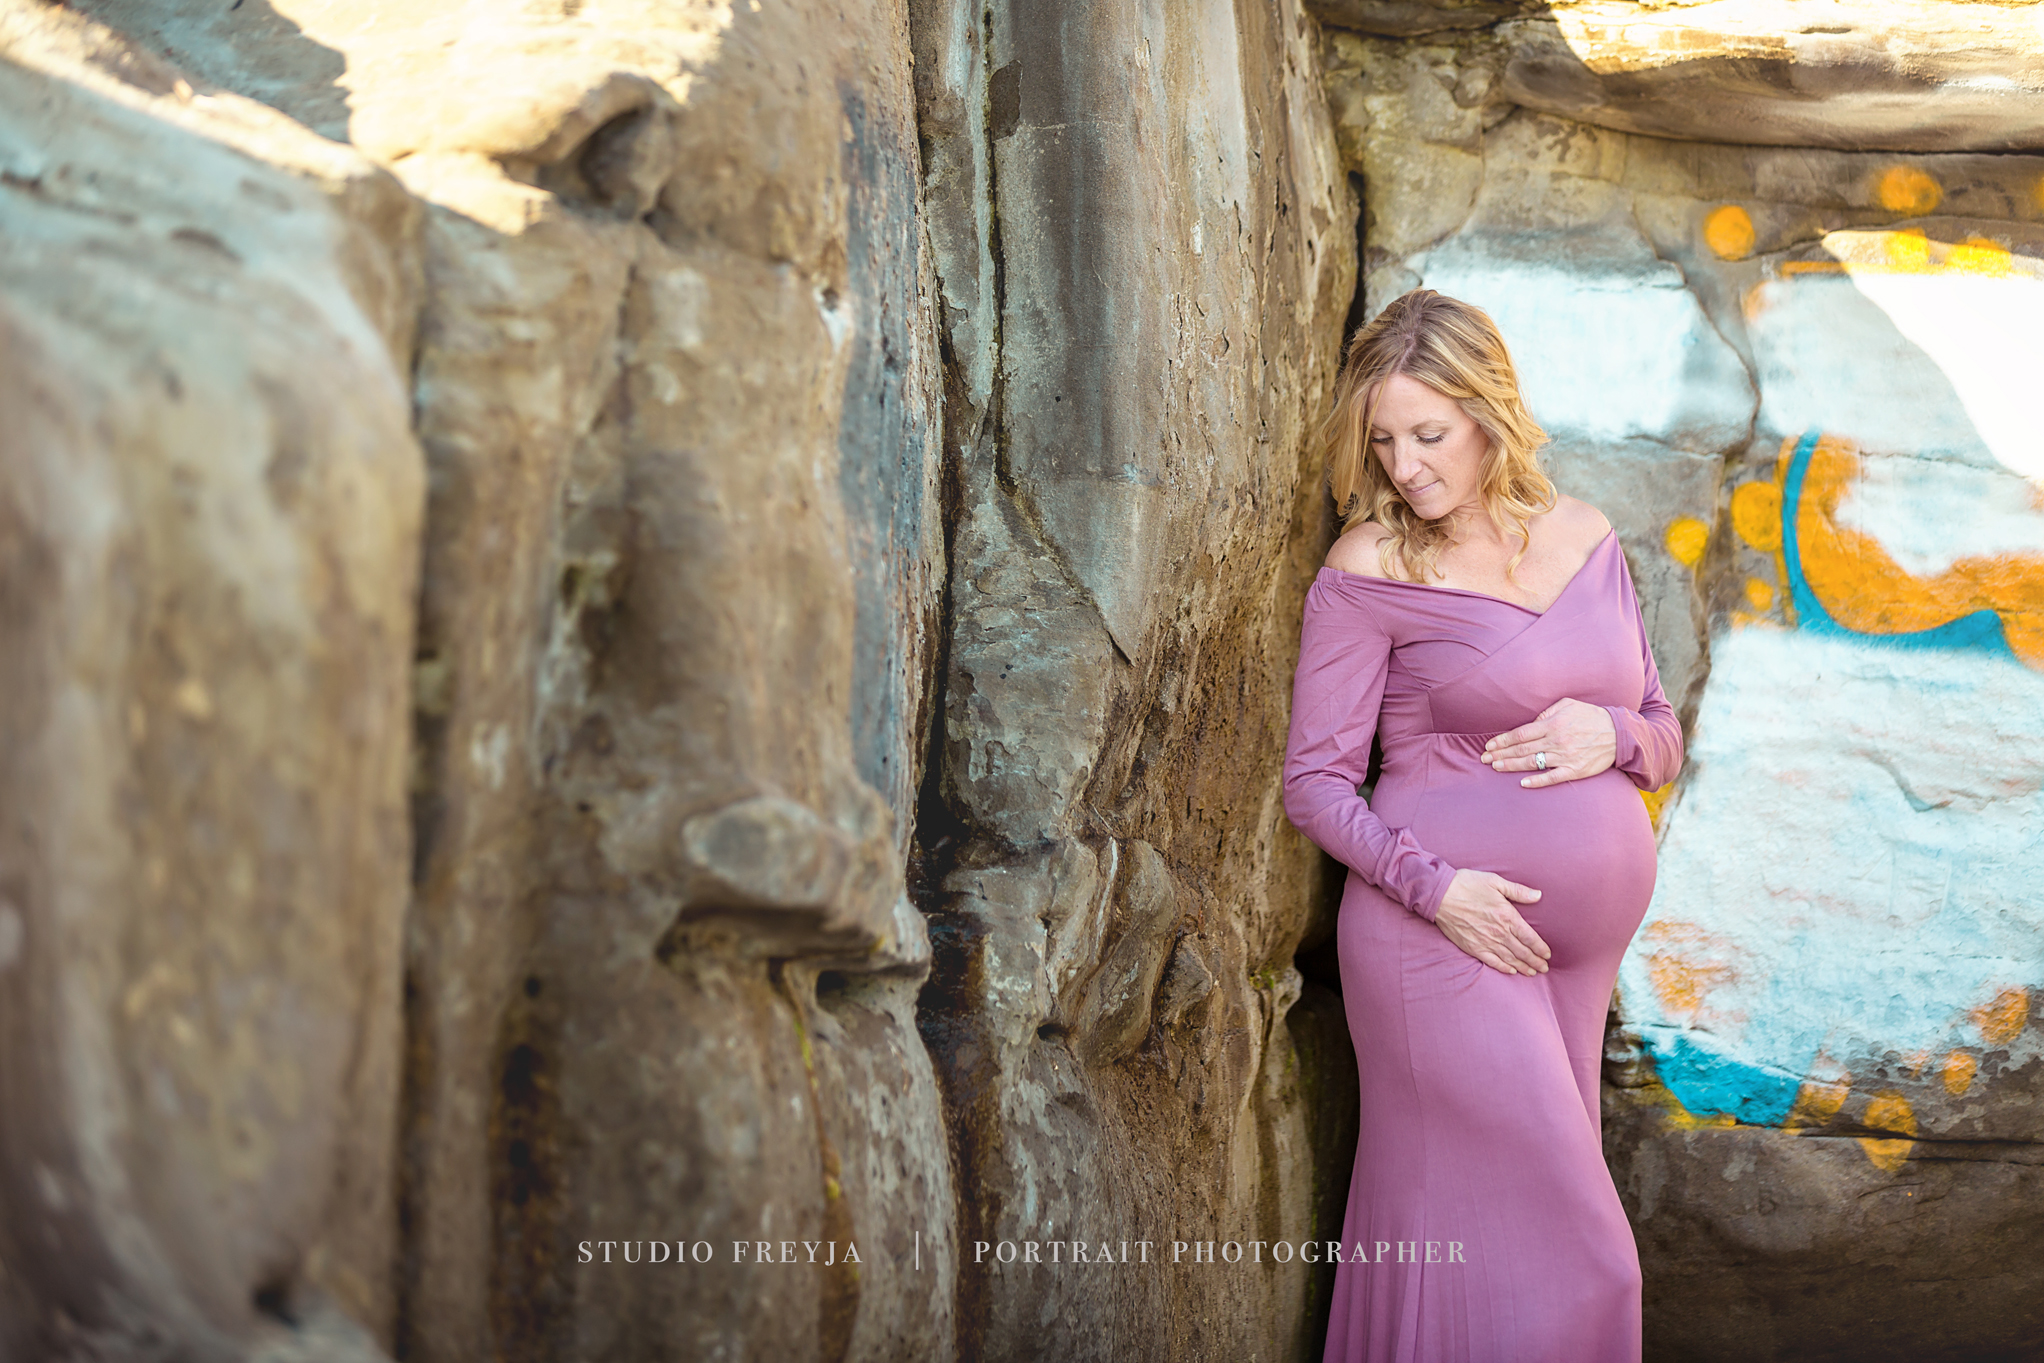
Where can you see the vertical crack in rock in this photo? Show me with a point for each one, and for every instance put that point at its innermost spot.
(956, 118)
(528, 1313)
(837, 1306)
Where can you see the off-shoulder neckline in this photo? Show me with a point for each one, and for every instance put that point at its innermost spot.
(1342, 574)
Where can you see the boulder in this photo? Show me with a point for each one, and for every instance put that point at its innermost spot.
(1847, 74)
(210, 516)
(677, 396)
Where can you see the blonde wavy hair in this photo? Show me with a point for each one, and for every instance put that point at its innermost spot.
(1454, 348)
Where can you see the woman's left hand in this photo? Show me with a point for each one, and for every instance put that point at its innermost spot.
(1579, 740)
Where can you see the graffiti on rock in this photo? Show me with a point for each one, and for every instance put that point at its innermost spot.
(1842, 938)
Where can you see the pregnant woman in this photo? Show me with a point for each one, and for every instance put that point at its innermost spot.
(1484, 631)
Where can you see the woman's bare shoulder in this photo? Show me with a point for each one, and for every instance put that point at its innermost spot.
(1356, 550)
(1576, 523)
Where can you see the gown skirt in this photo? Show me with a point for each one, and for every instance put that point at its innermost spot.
(1482, 1225)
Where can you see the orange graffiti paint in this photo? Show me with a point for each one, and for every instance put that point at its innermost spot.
(1686, 539)
(1868, 592)
(1980, 256)
(1681, 983)
(1908, 252)
(1728, 231)
(1756, 515)
(1818, 1101)
(1908, 190)
(1889, 1111)
(2001, 1020)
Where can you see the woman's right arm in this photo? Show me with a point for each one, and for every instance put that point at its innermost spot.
(1344, 659)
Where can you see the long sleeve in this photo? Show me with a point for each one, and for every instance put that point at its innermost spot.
(1343, 664)
(1649, 738)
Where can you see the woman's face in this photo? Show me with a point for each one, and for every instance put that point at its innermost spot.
(1431, 448)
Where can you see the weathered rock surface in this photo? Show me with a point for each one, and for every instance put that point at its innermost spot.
(210, 504)
(1789, 376)
(1865, 970)
(1844, 74)
(668, 286)
(1754, 1257)
(677, 397)
(1141, 329)
(1850, 74)
(806, 507)
(1419, 18)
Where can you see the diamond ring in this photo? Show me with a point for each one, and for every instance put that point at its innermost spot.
(1540, 760)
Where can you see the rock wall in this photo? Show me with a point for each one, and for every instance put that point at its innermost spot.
(1782, 343)
(659, 625)
(1146, 279)
(210, 564)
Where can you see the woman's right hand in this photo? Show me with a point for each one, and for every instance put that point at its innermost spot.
(1477, 915)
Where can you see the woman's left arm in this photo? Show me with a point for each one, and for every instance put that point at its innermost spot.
(1648, 740)
(1580, 739)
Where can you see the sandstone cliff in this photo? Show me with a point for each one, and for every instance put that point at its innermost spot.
(660, 623)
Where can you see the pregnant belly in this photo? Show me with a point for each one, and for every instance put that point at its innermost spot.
(1587, 846)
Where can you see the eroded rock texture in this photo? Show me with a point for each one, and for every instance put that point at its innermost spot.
(675, 381)
(208, 569)
(1788, 373)
(1145, 285)
(702, 462)
(1847, 74)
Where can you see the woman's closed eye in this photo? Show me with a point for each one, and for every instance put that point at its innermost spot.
(1424, 440)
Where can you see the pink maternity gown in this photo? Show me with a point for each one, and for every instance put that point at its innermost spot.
(1482, 1225)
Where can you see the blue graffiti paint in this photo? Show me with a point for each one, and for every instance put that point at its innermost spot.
(1980, 630)
(1709, 1081)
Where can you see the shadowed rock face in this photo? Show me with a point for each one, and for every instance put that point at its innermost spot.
(676, 396)
(759, 503)
(1417, 18)
(1144, 260)
(1788, 375)
(675, 383)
